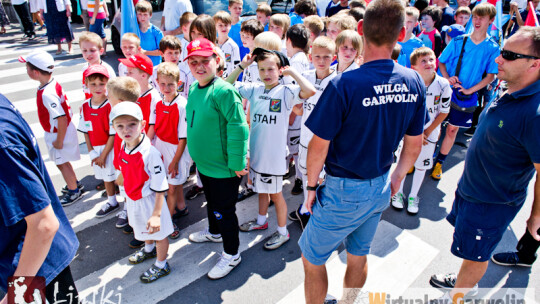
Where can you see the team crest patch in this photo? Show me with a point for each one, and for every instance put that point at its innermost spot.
(227, 57)
(275, 105)
(437, 100)
(180, 87)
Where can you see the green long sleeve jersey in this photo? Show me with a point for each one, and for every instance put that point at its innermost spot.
(217, 133)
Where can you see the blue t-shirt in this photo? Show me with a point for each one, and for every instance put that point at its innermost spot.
(477, 59)
(364, 114)
(150, 42)
(26, 188)
(296, 19)
(234, 34)
(406, 50)
(506, 144)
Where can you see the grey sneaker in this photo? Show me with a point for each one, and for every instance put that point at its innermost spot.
(397, 201)
(276, 240)
(223, 267)
(252, 225)
(204, 236)
(106, 209)
(448, 281)
(412, 206)
(70, 199)
(122, 220)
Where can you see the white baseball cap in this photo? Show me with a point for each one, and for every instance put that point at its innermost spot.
(42, 60)
(126, 108)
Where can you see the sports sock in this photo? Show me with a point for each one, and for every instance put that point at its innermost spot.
(160, 264)
(282, 230)
(418, 178)
(249, 186)
(296, 167)
(441, 158)
(401, 186)
(261, 219)
(112, 201)
(149, 247)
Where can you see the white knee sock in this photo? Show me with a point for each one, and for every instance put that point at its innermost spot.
(418, 178)
(297, 167)
(160, 264)
(112, 200)
(401, 185)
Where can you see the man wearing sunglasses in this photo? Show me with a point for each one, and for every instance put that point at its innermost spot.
(503, 156)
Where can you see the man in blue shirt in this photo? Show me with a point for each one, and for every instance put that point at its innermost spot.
(37, 238)
(478, 69)
(358, 122)
(503, 156)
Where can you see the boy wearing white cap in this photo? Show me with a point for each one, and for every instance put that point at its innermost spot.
(55, 118)
(145, 182)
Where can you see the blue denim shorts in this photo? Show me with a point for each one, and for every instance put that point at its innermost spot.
(346, 210)
(98, 28)
(479, 227)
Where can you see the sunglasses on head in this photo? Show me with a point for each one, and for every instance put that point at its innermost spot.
(507, 55)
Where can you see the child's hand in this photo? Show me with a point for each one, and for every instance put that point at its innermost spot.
(453, 80)
(241, 173)
(100, 161)
(58, 144)
(173, 169)
(92, 21)
(286, 71)
(247, 61)
(154, 224)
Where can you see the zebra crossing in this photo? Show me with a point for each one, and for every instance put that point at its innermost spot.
(406, 250)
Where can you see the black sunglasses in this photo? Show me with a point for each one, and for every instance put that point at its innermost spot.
(507, 55)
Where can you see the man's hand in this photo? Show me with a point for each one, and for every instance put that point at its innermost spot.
(395, 182)
(533, 224)
(241, 173)
(58, 144)
(154, 224)
(311, 195)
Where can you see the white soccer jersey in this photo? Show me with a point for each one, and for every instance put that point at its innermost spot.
(122, 69)
(232, 56)
(351, 67)
(309, 104)
(300, 63)
(251, 74)
(186, 79)
(269, 116)
(438, 97)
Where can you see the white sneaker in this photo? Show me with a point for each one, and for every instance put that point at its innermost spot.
(397, 201)
(204, 236)
(225, 265)
(412, 206)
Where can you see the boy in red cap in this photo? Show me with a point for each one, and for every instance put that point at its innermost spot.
(140, 68)
(55, 118)
(217, 135)
(99, 136)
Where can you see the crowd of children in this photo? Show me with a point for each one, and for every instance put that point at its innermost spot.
(136, 125)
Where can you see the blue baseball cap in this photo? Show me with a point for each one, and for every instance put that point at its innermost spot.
(453, 30)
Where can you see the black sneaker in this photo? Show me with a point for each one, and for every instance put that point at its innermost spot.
(106, 209)
(245, 193)
(292, 216)
(448, 281)
(127, 230)
(297, 189)
(71, 198)
(80, 186)
(470, 131)
(302, 218)
(194, 192)
(179, 213)
(136, 244)
(510, 259)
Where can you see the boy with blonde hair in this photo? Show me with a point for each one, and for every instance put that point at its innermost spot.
(322, 55)
(337, 24)
(438, 96)
(145, 182)
(92, 48)
(279, 24)
(226, 44)
(130, 45)
(55, 117)
(168, 128)
(270, 108)
(315, 25)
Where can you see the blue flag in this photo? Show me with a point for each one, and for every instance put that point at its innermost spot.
(129, 18)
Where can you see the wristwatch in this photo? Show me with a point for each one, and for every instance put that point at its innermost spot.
(312, 188)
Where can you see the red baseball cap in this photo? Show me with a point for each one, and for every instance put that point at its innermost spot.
(140, 61)
(96, 69)
(201, 47)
